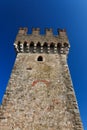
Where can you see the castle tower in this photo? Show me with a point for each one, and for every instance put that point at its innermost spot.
(40, 94)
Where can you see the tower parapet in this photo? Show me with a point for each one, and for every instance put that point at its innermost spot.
(49, 32)
(62, 32)
(22, 31)
(47, 43)
(35, 31)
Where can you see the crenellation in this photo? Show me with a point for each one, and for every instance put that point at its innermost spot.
(62, 32)
(48, 32)
(49, 38)
(23, 31)
(35, 31)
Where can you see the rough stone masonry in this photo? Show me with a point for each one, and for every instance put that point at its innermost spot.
(40, 95)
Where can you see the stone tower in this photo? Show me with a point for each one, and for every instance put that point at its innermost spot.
(40, 94)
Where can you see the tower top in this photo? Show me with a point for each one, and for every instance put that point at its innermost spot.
(59, 43)
(48, 31)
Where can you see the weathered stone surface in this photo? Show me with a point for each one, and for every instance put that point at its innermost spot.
(40, 95)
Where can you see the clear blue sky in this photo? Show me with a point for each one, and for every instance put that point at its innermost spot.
(69, 14)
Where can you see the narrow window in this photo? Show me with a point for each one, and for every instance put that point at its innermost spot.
(31, 48)
(40, 58)
(19, 44)
(52, 47)
(25, 47)
(59, 45)
(65, 44)
(29, 68)
(45, 49)
(39, 47)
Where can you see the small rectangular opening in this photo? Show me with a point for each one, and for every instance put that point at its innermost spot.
(29, 68)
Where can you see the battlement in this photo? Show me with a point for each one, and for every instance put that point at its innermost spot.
(62, 32)
(23, 31)
(35, 31)
(37, 43)
(49, 31)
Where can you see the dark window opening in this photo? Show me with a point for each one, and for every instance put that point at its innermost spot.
(59, 45)
(29, 68)
(38, 47)
(40, 58)
(31, 48)
(19, 45)
(25, 47)
(65, 44)
(52, 47)
(45, 47)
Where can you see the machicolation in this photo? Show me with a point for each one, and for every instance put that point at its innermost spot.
(47, 43)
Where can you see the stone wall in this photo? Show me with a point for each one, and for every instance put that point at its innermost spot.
(37, 96)
(40, 94)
